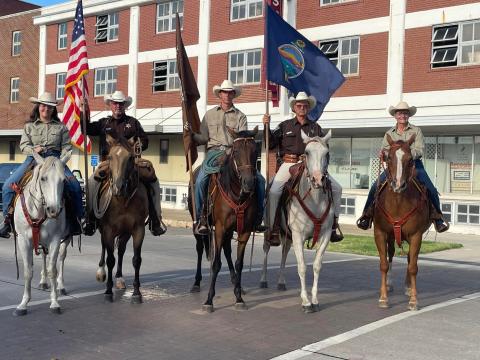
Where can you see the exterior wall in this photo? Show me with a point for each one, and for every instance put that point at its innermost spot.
(420, 5)
(23, 66)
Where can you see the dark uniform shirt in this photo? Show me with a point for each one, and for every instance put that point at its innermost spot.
(287, 135)
(126, 126)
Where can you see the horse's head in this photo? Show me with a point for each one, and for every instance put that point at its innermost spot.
(244, 158)
(49, 175)
(316, 158)
(400, 165)
(121, 160)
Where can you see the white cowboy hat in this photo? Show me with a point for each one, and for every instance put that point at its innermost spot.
(302, 96)
(402, 105)
(119, 97)
(227, 85)
(46, 98)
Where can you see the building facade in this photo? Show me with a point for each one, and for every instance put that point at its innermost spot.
(426, 52)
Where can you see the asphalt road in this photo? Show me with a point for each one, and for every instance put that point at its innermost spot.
(171, 325)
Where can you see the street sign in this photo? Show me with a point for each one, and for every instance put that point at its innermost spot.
(94, 160)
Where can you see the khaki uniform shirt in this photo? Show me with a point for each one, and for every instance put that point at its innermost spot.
(417, 146)
(213, 131)
(52, 136)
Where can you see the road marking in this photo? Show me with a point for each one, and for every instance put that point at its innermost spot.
(338, 339)
(161, 277)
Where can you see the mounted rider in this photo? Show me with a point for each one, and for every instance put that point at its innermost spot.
(45, 134)
(214, 134)
(287, 136)
(121, 124)
(404, 130)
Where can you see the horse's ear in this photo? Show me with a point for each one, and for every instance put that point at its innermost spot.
(110, 139)
(412, 139)
(232, 132)
(305, 137)
(65, 157)
(390, 140)
(327, 137)
(38, 159)
(255, 131)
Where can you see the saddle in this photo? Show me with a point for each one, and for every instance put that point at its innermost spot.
(24, 180)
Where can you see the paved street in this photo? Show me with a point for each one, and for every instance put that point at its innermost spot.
(170, 323)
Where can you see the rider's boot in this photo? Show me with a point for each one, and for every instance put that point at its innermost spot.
(75, 227)
(89, 226)
(200, 226)
(259, 225)
(6, 228)
(336, 237)
(273, 234)
(439, 222)
(365, 221)
(156, 225)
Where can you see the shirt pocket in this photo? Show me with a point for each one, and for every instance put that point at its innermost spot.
(37, 136)
(232, 122)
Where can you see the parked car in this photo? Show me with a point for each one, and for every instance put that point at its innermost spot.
(6, 169)
(78, 175)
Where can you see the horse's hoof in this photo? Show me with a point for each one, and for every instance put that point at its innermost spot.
(207, 308)
(56, 310)
(263, 285)
(307, 309)
(315, 307)
(389, 288)
(282, 287)
(240, 306)
(136, 299)
(43, 286)
(20, 312)
(109, 298)
(62, 292)
(383, 303)
(195, 289)
(120, 285)
(412, 306)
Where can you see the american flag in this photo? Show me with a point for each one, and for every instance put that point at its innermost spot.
(75, 82)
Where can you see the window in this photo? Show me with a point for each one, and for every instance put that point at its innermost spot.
(347, 206)
(14, 90)
(168, 194)
(165, 76)
(344, 53)
(244, 67)
(164, 151)
(244, 9)
(166, 15)
(12, 146)
(60, 88)
(16, 43)
(456, 44)
(447, 209)
(105, 81)
(329, 2)
(468, 214)
(62, 36)
(107, 28)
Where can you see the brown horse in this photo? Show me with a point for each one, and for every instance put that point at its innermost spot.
(401, 213)
(125, 215)
(234, 208)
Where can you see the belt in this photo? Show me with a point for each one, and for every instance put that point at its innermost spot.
(290, 158)
(219, 147)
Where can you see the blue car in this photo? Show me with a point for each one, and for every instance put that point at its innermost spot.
(6, 170)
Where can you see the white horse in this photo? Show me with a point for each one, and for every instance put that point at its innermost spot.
(315, 193)
(43, 198)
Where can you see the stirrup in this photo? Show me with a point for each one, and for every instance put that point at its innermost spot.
(364, 222)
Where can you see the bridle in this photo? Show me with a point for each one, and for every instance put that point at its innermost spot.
(237, 167)
(384, 164)
(324, 169)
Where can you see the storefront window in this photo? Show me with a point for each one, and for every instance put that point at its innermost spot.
(339, 166)
(454, 164)
(476, 165)
(362, 150)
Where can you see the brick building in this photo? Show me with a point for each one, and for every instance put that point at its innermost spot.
(426, 52)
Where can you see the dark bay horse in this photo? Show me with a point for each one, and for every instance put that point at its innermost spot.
(234, 208)
(125, 215)
(401, 213)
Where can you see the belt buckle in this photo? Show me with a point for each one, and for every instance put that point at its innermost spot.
(222, 148)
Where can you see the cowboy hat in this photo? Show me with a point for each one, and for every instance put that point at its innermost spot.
(302, 96)
(402, 105)
(227, 85)
(46, 98)
(118, 97)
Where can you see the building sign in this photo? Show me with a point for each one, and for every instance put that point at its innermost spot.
(460, 176)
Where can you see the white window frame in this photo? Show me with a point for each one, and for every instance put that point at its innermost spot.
(168, 193)
(16, 43)
(108, 82)
(333, 2)
(62, 36)
(468, 214)
(333, 49)
(344, 206)
(168, 18)
(107, 27)
(60, 86)
(244, 69)
(14, 90)
(170, 78)
(248, 6)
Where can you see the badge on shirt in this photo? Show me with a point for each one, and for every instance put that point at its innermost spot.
(128, 126)
(289, 132)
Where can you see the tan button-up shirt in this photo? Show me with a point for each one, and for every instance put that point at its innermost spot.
(213, 131)
(417, 146)
(52, 136)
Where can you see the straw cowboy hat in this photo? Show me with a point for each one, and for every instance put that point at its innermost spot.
(46, 98)
(302, 96)
(118, 97)
(227, 85)
(402, 105)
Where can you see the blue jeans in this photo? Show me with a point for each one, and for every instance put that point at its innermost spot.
(72, 186)
(422, 176)
(201, 185)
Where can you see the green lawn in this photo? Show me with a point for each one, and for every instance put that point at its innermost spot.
(365, 245)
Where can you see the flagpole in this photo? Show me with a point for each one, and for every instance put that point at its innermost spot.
(266, 130)
(85, 148)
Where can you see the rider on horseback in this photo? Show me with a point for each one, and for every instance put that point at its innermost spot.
(214, 134)
(403, 130)
(123, 125)
(46, 135)
(287, 136)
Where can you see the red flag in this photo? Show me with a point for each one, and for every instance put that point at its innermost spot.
(75, 82)
(190, 95)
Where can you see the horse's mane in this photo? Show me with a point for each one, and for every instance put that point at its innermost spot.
(120, 139)
(318, 139)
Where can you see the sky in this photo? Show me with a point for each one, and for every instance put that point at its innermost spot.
(45, 2)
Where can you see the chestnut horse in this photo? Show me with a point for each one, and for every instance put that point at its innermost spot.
(124, 217)
(234, 202)
(401, 213)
